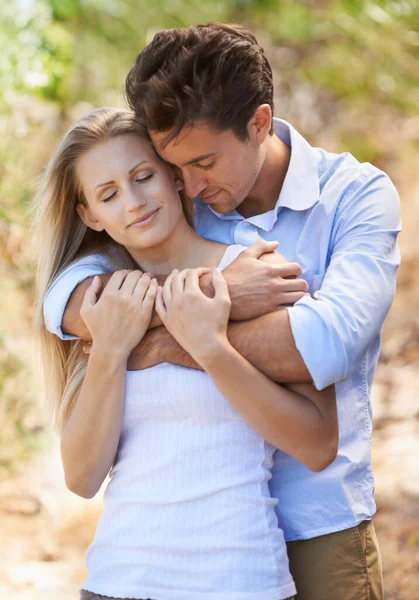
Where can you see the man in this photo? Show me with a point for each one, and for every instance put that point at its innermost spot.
(206, 94)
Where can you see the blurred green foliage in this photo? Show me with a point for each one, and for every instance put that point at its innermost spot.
(346, 74)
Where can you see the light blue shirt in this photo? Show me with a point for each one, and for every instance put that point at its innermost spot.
(338, 219)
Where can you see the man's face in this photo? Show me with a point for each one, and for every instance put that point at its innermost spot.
(216, 166)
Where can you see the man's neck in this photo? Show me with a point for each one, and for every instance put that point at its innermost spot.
(264, 194)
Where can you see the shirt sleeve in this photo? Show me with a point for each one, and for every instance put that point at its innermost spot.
(63, 286)
(334, 328)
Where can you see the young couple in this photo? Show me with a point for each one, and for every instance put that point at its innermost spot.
(200, 503)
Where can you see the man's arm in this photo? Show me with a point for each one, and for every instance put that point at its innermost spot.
(259, 281)
(324, 339)
(266, 342)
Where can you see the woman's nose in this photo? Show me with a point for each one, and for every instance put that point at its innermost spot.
(134, 198)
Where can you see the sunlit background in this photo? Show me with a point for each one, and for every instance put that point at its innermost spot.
(347, 76)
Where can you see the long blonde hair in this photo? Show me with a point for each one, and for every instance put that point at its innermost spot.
(61, 238)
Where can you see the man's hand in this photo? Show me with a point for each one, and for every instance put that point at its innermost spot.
(260, 281)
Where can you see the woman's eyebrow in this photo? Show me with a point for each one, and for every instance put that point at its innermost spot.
(130, 172)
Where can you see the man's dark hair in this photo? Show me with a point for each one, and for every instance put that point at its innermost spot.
(213, 73)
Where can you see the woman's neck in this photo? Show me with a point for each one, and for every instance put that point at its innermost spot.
(183, 249)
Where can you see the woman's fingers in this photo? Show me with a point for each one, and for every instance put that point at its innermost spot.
(178, 283)
(116, 281)
(130, 282)
(167, 288)
(150, 295)
(90, 297)
(160, 305)
(140, 288)
(220, 285)
(192, 278)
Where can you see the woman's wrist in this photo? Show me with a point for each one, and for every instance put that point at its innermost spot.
(213, 351)
(109, 355)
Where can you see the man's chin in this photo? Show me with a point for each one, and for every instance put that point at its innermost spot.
(224, 207)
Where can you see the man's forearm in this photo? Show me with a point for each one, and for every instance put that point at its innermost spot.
(266, 342)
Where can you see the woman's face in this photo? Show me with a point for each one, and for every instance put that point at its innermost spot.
(131, 193)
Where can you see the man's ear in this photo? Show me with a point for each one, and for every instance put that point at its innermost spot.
(260, 123)
(87, 217)
(178, 179)
(179, 184)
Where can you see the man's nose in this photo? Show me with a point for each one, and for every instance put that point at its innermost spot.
(194, 183)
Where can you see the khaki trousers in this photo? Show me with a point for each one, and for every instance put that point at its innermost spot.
(85, 595)
(345, 565)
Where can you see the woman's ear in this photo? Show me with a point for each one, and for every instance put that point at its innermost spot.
(88, 219)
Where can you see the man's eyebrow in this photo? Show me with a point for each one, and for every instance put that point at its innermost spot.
(199, 158)
(130, 172)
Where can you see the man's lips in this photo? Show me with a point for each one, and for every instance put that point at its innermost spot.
(145, 219)
(209, 197)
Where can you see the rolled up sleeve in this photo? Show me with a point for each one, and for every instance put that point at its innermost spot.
(334, 328)
(63, 286)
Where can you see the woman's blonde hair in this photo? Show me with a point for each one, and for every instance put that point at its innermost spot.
(61, 238)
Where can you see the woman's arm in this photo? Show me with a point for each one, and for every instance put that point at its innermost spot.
(117, 322)
(90, 436)
(298, 419)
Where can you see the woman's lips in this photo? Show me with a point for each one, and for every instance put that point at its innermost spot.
(146, 220)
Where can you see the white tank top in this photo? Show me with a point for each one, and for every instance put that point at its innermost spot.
(187, 512)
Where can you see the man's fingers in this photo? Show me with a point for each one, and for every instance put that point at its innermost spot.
(288, 270)
(294, 285)
(292, 297)
(261, 247)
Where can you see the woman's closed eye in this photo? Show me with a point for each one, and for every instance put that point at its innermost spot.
(109, 197)
(139, 180)
(144, 179)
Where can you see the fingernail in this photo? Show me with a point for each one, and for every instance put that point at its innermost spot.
(154, 280)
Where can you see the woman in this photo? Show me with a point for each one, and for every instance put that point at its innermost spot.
(187, 512)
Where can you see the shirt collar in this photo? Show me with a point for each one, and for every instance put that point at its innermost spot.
(300, 189)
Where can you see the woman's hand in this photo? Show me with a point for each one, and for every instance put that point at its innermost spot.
(121, 316)
(198, 323)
